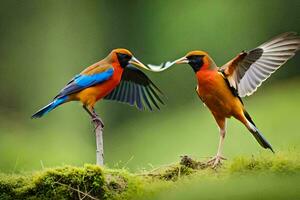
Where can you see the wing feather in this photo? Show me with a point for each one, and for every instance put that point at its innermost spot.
(152, 98)
(132, 94)
(83, 81)
(146, 98)
(248, 70)
(124, 91)
(136, 89)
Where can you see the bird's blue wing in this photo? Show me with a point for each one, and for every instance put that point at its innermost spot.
(82, 81)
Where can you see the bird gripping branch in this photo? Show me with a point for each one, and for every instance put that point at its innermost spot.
(113, 78)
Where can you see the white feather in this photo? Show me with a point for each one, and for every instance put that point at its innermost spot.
(275, 53)
(161, 67)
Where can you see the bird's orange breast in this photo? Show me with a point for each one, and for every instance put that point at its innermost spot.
(91, 95)
(215, 93)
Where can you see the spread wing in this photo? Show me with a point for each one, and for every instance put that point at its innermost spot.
(137, 89)
(248, 70)
(82, 81)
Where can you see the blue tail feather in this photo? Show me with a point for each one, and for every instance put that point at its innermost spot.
(49, 107)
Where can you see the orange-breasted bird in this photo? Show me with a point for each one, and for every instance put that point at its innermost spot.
(221, 89)
(113, 78)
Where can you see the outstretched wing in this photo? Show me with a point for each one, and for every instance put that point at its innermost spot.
(82, 81)
(137, 89)
(248, 70)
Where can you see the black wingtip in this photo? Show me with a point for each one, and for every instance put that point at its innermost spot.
(271, 149)
(37, 115)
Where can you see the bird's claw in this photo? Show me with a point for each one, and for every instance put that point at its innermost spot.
(216, 161)
(97, 122)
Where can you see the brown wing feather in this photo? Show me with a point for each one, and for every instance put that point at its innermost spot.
(97, 67)
(231, 66)
(248, 70)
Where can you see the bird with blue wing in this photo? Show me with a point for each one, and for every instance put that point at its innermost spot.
(114, 78)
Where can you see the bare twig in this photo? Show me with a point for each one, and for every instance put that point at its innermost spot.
(98, 128)
(78, 193)
(77, 190)
(16, 164)
(157, 169)
(86, 194)
(99, 144)
(130, 159)
(42, 164)
(179, 171)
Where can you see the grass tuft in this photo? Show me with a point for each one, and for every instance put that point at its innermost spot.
(288, 162)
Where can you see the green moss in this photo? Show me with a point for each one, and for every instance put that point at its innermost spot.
(185, 167)
(93, 182)
(124, 185)
(288, 162)
(59, 183)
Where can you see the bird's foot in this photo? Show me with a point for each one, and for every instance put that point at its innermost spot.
(216, 161)
(97, 121)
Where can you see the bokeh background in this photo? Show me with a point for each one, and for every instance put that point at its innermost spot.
(44, 43)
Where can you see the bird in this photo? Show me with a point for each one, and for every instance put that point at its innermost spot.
(113, 78)
(221, 89)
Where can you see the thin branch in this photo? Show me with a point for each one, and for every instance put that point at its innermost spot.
(78, 193)
(157, 169)
(86, 194)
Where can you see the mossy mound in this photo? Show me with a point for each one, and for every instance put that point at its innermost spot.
(173, 172)
(94, 182)
(88, 182)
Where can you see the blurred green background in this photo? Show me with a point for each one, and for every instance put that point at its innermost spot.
(44, 43)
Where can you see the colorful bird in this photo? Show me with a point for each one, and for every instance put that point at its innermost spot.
(113, 78)
(221, 89)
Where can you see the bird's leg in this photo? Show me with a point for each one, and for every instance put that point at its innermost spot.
(98, 124)
(96, 120)
(216, 160)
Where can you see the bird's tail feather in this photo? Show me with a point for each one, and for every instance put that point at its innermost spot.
(257, 134)
(49, 107)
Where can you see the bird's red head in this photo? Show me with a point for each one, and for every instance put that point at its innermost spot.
(196, 59)
(124, 57)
